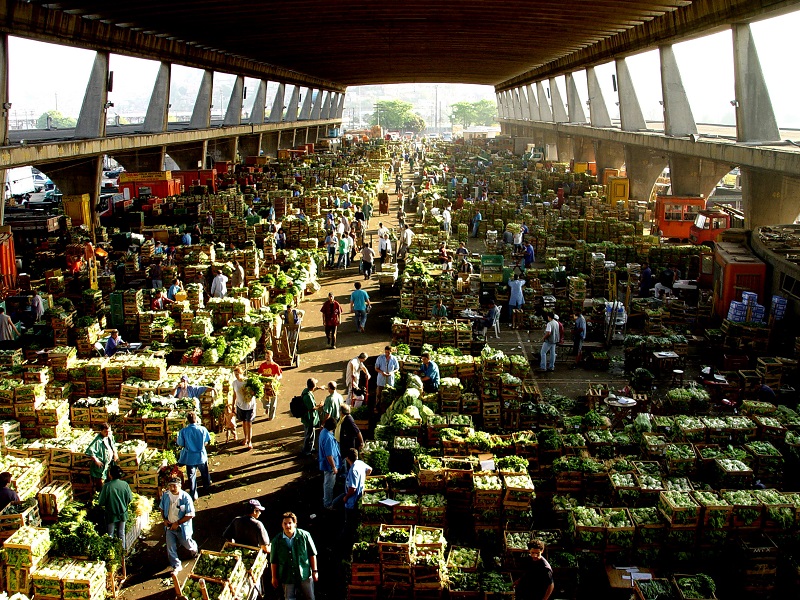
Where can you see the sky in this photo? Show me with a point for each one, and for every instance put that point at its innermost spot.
(46, 77)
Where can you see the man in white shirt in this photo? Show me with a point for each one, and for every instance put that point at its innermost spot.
(354, 369)
(219, 287)
(382, 230)
(446, 219)
(405, 244)
(386, 366)
(549, 342)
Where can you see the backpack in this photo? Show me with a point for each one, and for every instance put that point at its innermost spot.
(297, 407)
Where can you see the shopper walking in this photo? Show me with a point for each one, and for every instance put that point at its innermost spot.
(538, 579)
(578, 336)
(331, 317)
(353, 373)
(114, 498)
(331, 243)
(294, 560)
(329, 458)
(386, 365)
(192, 440)
(357, 472)
(549, 342)
(367, 258)
(177, 509)
(247, 529)
(102, 451)
(219, 287)
(476, 223)
(360, 305)
(310, 418)
(245, 407)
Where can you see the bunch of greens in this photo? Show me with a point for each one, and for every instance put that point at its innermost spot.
(696, 587)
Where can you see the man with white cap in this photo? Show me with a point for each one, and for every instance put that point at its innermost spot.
(177, 509)
(247, 529)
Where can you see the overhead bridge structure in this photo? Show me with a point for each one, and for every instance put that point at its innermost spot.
(319, 49)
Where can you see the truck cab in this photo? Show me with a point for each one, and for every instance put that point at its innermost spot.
(674, 215)
(711, 222)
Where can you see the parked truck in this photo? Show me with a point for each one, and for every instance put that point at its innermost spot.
(675, 215)
(20, 183)
(709, 223)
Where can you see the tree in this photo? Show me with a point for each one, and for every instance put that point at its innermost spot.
(57, 120)
(482, 112)
(414, 123)
(391, 114)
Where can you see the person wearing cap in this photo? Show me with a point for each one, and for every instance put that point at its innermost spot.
(101, 451)
(114, 498)
(184, 390)
(357, 472)
(177, 509)
(549, 341)
(247, 529)
(353, 375)
(192, 440)
(310, 418)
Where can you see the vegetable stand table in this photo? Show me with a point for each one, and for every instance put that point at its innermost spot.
(615, 576)
(621, 408)
(664, 362)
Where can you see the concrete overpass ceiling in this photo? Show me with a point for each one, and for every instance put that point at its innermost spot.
(362, 43)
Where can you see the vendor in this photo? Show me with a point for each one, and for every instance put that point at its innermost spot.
(491, 316)
(160, 301)
(465, 266)
(114, 341)
(429, 373)
(440, 310)
(184, 390)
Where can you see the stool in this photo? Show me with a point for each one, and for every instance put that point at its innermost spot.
(677, 377)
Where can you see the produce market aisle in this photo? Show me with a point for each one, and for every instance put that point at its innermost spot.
(272, 471)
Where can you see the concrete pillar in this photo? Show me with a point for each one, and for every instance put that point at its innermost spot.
(233, 114)
(630, 113)
(305, 111)
(316, 109)
(545, 114)
(755, 119)
(157, 117)
(643, 167)
(92, 118)
(257, 113)
(769, 198)
(78, 176)
(4, 102)
(497, 97)
(286, 139)
(692, 176)
(189, 156)
(608, 155)
(223, 149)
(142, 160)
(249, 145)
(327, 106)
(678, 117)
(565, 150)
(340, 108)
(598, 110)
(201, 115)
(276, 114)
(582, 149)
(269, 143)
(516, 104)
(576, 114)
(533, 105)
(559, 112)
(294, 103)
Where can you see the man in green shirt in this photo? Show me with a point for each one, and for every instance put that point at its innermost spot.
(332, 404)
(102, 451)
(310, 418)
(115, 498)
(294, 560)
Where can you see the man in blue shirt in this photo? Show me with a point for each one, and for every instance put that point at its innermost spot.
(354, 487)
(329, 460)
(476, 223)
(429, 373)
(184, 390)
(529, 255)
(186, 239)
(177, 509)
(193, 439)
(113, 341)
(386, 366)
(359, 301)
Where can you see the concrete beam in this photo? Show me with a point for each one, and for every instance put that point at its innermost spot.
(691, 176)
(33, 154)
(755, 119)
(700, 17)
(257, 113)
(142, 160)
(643, 167)
(678, 117)
(92, 118)
(769, 199)
(35, 20)
(783, 159)
(189, 156)
(223, 149)
(316, 109)
(201, 114)
(157, 117)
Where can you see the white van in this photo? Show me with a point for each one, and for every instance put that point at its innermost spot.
(19, 182)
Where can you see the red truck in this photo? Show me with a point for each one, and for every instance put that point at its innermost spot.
(711, 222)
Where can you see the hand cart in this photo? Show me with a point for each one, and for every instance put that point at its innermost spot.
(285, 347)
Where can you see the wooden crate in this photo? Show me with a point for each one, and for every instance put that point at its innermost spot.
(467, 569)
(362, 575)
(623, 535)
(11, 521)
(394, 553)
(28, 559)
(18, 580)
(396, 574)
(54, 497)
(676, 578)
(678, 515)
(737, 519)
